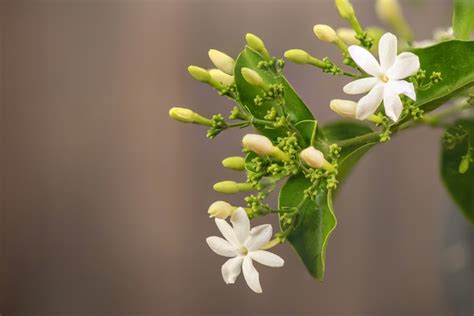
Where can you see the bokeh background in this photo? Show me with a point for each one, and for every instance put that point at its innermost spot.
(104, 198)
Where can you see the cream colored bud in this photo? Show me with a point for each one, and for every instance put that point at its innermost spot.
(183, 115)
(220, 209)
(252, 77)
(222, 61)
(234, 163)
(259, 144)
(199, 73)
(345, 9)
(314, 158)
(325, 33)
(389, 11)
(222, 77)
(347, 35)
(344, 108)
(298, 56)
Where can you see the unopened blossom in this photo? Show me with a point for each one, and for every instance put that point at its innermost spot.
(243, 246)
(386, 79)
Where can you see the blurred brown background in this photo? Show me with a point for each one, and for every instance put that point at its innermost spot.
(104, 198)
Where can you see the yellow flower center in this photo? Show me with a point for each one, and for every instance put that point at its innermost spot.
(384, 78)
(244, 251)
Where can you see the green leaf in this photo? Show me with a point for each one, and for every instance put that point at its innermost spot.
(460, 186)
(295, 107)
(463, 18)
(455, 61)
(316, 219)
(308, 130)
(315, 222)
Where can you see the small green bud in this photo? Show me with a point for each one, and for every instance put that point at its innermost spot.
(345, 8)
(221, 209)
(199, 73)
(298, 56)
(183, 115)
(252, 77)
(464, 165)
(255, 42)
(234, 163)
(231, 187)
(222, 61)
(325, 33)
(221, 77)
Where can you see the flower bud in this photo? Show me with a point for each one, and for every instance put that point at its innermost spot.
(199, 73)
(222, 61)
(325, 33)
(252, 77)
(259, 144)
(347, 35)
(345, 9)
(344, 108)
(220, 209)
(222, 77)
(182, 115)
(390, 12)
(464, 165)
(230, 187)
(298, 56)
(234, 163)
(255, 42)
(315, 158)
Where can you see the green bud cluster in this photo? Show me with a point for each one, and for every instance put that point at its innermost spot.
(365, 40)
(218, 125)
(331, 68)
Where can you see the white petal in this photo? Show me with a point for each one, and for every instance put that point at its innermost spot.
(406, 64)
(231, 269)
(360, 86)
(267, 258)
(241, 224)
(369, 103)
(228, 233)
(392, 104)
(402, 86)
(259, 236)
(221, 246)
(365, 60)
(387, 51)
(251, 275)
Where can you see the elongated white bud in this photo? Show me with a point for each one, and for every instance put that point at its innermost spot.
(259, 144)
(199, 73)
(222, 77)
(234, 163)
(344, 108)
(252, 77)
(222, 61)
(315, 158)
(256, 43)
(345, 9)
(347, 35)
(220, 209)
(185, 115)
(325, 33)
(298, 56)
(230, 187)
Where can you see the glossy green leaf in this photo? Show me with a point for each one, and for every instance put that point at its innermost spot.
(460, 186)
(463, 18)
(315, 223)
(308, 130)
(455, 61)
(247, 93)
(316, 220)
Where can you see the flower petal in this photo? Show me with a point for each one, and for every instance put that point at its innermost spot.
(231, 269)
(392, 104)
(387, 51)
(365, 60)
(228, 233)
(360, 86)
(402, 86)
(251, 275)
(259, 236)
(406, 64)
(267, 258)
(241, 224)
(221, 246)
(368, 104)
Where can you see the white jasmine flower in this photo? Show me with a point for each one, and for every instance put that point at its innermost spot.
(386, 83)
(243, 246)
